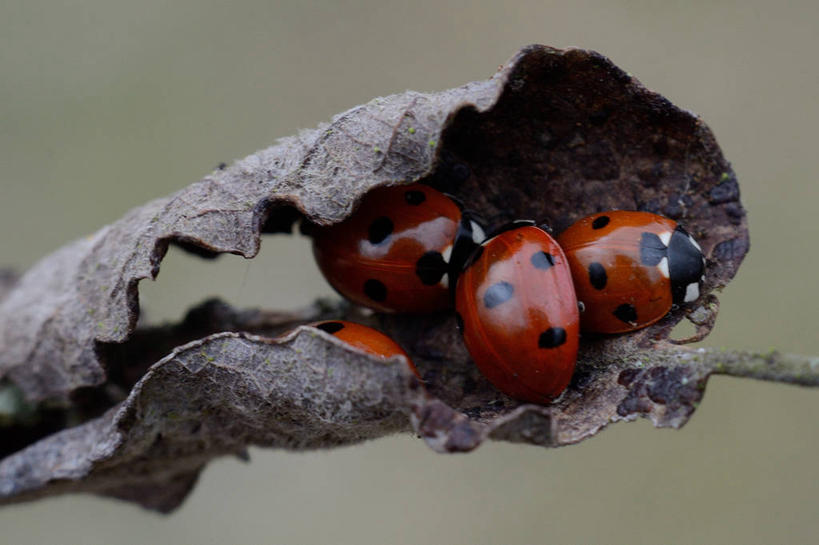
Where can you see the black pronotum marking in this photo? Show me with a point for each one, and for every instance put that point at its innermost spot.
(330, 327)
(626, 313)
(458, 202)
(463, 247)
(598, 276)
(430, 268)
(652, 250)
(552, 338)
(379, 229)
(375, 290)
(414, 197)
(542, 260)
(473, 257)
(600, 222)
(685, 264)
(497, 294)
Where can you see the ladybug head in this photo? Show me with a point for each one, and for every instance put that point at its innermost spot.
(468, 238)
(686, 266)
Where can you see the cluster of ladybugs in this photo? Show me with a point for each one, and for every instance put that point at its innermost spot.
(521, 297)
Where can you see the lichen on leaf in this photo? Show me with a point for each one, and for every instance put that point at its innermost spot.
(554, 135)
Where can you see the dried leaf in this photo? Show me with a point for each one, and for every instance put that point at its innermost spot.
(553, 136)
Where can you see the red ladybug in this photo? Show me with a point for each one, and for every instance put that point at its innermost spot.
(517, 310)
(366, 338)
(396, 252)
(630, 267)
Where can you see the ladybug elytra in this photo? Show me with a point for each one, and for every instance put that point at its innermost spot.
(518, 313)
(365, 338)
(396, 253)
(629, 268)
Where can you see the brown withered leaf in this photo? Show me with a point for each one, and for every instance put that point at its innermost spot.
(552, 136)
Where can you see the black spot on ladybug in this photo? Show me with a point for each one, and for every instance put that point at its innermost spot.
(598, 276)
(430, 268)
(414, 197)
(542, 260)
(626, 313)
(552, 338)
(600, 222)
(459, 322)
(330, 327)
(497, 294)
(380, 229)
(652, 250)
(375, 290)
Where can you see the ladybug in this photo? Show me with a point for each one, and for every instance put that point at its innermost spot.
(629, 268)
(518, 313)
(365, 338)
(396, 253)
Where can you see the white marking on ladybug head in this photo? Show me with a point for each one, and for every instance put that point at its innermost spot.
(665, 237)
(663, 266)
(692, 292)
(447, 253)
(478, 235)
(694, 243)
(581, 306)
(444, 281)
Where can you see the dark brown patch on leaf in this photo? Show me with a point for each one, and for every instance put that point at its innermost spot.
(677, 390)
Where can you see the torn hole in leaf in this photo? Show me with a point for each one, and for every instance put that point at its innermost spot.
(683, 330)
(282, 276)
(23, 423)
(699, 320)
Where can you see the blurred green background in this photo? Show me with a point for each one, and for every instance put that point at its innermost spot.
(105, 105)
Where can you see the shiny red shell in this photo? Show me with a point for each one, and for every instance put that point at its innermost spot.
(365, 338)
(629, 268)
(391, 254)
(518, 314)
